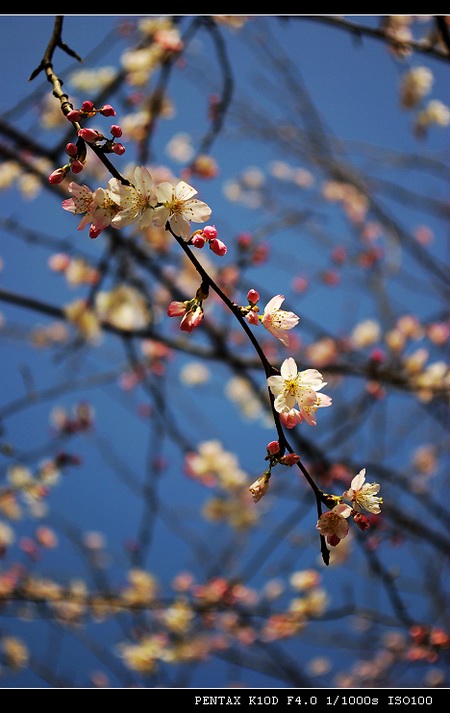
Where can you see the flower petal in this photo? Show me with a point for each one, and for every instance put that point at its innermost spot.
(289, 369)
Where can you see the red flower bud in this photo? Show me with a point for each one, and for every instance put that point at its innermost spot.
(116, 131)
(107, 110)
(87, 106)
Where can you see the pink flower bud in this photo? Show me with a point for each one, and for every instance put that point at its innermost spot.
(90, 135)
(76, 166)
(58, 175)
(94, 232)
(253, 297)
(74, 115)
(210, 232)
(191, 319)
(198, 241)
(71, 149)
(218, 247)
(362, 521)
(290, 459)
(87, 106)
(291, 418)
(273, 447)
(116, 131)
(176, 309)
(252, 318)
(118, 149)
(107, 110)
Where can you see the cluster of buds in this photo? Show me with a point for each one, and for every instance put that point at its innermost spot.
(208, 235)
(275, 455)
(191, 311)
(76, 152)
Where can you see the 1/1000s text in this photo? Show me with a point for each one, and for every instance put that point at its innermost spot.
(312, 700)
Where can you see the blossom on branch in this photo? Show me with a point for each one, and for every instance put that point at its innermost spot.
(277, 321)
(363, 495)
(293, 388)
(135, 202)
(178, 207)
(96, 207)
(333, 524)
(191, 312)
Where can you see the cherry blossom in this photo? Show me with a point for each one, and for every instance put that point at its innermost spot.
(363, 495)
(96, 207)
(179, 207)
(293, 388)
(277, 321)
(135, 202)
(333, 524)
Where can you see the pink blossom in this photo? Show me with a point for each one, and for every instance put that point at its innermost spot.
(291, 418)
(178, 206)
(191, 319)
(293, 388)
(252, 317)
(177, 309)
(333, 524)
(278, 321)
(363, 495)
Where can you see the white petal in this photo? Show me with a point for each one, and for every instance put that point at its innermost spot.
(276, 384)
(180, 226)
(197, 211)
(289, 369)
(183, 191)
(358, 480)
(164, 192)
(143, 180)
(274, 303)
